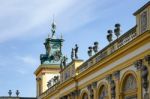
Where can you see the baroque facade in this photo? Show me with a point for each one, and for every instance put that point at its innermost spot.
(121, 70)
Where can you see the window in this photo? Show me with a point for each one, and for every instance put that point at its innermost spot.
(103, 93)
(129, 87)
(85, 96)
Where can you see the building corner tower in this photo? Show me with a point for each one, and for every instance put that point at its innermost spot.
(50, 62)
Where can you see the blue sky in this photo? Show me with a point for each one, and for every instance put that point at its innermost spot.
(24, 25)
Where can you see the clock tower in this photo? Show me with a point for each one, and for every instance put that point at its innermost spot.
(50, 61)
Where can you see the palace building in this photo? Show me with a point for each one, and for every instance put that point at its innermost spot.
(121, 70)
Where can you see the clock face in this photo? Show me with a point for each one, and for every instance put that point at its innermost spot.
(56, 46)
(55, 51)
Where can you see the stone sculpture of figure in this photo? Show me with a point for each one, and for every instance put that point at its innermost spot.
(145, 77)
(56, 79)
(113, 87)
(49, 83)
(72, 54)
(47, 46)
(61, 64)
(95, 47)
(64, 61)
(90, 51)
(109, 36)
(76, 51)
(53, 28)
(117, 30)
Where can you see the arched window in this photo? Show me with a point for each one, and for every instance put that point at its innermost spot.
(85, 96)
(129, 87)
(103, 92)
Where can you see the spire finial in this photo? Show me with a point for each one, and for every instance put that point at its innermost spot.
(53, 27)
(48, 36)
(61, 36)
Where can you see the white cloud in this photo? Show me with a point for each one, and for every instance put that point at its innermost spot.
(21, 71)
(20, 16)
(27, 60)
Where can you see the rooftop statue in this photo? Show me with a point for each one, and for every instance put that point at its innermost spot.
(76, 51)
(53, 28)
(47, 46)
(72, 54)
(63, 63)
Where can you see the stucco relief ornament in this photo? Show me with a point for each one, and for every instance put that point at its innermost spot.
(49, 83)
(56, 79)
(143, 21)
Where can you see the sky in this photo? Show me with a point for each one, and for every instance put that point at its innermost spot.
(24, 25)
